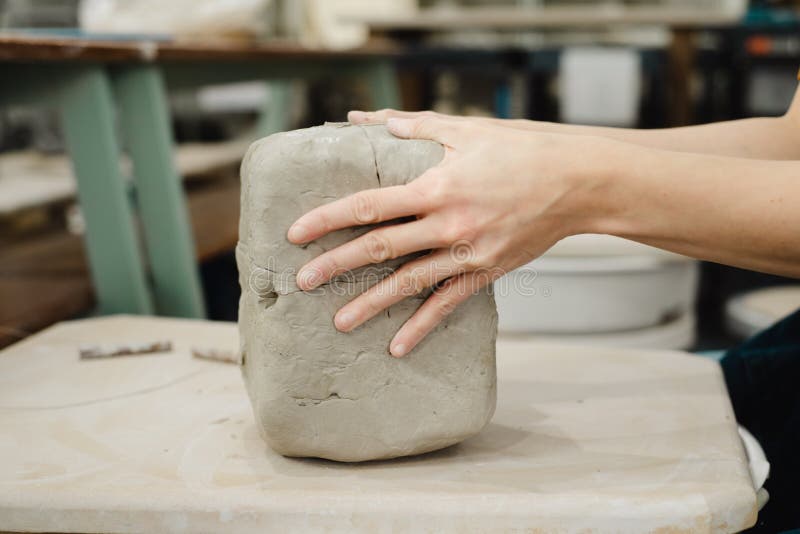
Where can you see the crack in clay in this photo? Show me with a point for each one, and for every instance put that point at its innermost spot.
(313, 401)
(374, 155)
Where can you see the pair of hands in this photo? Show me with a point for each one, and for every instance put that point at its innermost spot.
(499, 198)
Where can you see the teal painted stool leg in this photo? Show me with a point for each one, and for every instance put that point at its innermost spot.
(383, 85)
(274, 115)
(162, 205)
(87, 114)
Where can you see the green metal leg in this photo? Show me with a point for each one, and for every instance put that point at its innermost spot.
(274, 116)
(87, 114)
(168, 237)
(383, 85)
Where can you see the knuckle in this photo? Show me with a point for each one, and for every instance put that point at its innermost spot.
(448, 233)
(411, 282)
(328, 265)
(443, 307)
(378, 248)
(322, 221)
(468, 233)
(419, 329)
(423, 124)
(365, 209)
(453, 231)
(422, 196)
(441, 269)
(448, 184)
(468, 127)
(462, 245)
(436, 188)
(462, 226)
(371, 305)
(490, 259)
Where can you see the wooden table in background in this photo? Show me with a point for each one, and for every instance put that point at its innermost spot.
(683, 21)
(96, 85)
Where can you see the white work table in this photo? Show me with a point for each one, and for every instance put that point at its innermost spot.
(582, 441)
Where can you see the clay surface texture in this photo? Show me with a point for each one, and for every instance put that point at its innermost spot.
(322, 393)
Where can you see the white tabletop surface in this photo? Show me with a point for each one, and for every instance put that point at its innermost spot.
(583, 440)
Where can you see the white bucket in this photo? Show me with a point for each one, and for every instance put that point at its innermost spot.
(596, 284)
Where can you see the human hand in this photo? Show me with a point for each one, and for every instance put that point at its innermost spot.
(499, 198)
(382, 115)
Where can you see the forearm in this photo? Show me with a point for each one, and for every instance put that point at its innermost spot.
(760, 138)
(741, 212)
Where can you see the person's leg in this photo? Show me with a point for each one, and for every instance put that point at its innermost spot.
(763, 379)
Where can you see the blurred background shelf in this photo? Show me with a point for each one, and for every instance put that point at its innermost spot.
(540, 15)
(44, 277)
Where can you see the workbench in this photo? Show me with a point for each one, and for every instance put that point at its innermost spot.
(101, 88)
(583, 440)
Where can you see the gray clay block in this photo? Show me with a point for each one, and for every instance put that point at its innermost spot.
(319, 392)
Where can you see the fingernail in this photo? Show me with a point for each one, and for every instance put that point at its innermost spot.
(297, 233)
(310, 278)
(398, 350)
(356, 116)
(344, 321)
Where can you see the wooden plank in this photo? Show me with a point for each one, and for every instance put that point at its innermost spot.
(31, 179)
(21, 47)
(578, 16)
(215, 218)
(43, 280)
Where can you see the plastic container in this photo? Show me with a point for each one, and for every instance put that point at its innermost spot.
(597, 284)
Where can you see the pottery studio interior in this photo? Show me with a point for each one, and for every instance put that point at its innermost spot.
(400, 266)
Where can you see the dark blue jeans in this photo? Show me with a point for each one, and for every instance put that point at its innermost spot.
(763, 379)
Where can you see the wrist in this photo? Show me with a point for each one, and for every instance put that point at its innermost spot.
(528, 125)
(599, 185)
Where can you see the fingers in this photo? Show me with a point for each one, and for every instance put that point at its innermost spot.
(377, 246)
(411, 279)
(411, 124)
(365, 207)
(439, 305)
(380, 116)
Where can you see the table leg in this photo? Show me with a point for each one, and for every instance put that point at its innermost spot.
(162, 205)
(383, 85)
(274, 116)
(87, 114)
(681, 61)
